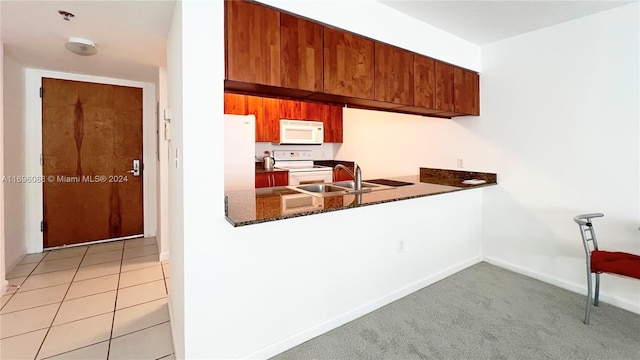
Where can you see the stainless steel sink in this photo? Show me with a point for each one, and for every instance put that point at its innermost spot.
(337, 188)
(320, 188)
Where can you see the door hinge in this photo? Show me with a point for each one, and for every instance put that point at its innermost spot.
(41, 160)
(43, 226)
(40, 91)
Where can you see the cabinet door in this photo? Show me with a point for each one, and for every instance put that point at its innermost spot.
(335, 124)
(424, 87)
(254, 106)
(332, 202)
(348, 64)
(272, 178)
(263, 180)
(269, 126)
(466, 92)
(291, 109)
(393, 75)
(252, 39)
(300, 53)
(268, 206)
(314, 111)
(280, 178)
(444, 87)
(235, 104)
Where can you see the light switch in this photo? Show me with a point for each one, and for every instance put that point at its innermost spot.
(167, 131)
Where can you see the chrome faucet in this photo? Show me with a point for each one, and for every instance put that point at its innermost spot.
(357, 177)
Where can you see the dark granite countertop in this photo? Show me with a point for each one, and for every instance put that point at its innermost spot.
(253, 206)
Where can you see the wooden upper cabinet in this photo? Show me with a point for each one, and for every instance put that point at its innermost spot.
(466, 92)
(335, 124)
(252, 40)
(300, 53)
(270, 53)
(394, 74)
(348, 64)
(235, 104)
(268, 127)
(444, 87)
(424, 85)
(314, 111)
(291, 109)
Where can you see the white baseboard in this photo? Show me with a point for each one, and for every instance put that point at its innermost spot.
(164, 256)
(4, 286)
(571, 286)
(305, 335)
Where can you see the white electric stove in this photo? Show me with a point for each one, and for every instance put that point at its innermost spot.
(301, 167)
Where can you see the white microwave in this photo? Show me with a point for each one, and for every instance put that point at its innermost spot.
(296, 132)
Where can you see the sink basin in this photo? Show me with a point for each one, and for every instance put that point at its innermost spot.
(337, 188)
(350, 184)
(320, 188)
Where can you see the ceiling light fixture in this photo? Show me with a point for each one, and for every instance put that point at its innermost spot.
(81, 46)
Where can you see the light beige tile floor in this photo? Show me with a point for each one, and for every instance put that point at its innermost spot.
(102, 301)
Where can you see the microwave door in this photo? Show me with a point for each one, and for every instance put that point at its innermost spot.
(301, 132)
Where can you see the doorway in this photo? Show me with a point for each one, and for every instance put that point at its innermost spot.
(92, 162)
(33, 193)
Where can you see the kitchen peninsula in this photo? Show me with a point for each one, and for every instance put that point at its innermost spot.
(253, 206)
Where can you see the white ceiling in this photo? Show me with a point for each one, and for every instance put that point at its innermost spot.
(130, 36)
(482, 22)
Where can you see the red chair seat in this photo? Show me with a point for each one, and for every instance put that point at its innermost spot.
(620, 263)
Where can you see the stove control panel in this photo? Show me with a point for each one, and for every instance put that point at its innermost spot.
(284, 155)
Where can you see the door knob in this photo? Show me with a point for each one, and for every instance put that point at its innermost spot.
(136, 168)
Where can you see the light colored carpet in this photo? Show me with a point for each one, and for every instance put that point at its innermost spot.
(482, 312)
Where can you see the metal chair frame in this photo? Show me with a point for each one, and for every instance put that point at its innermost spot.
(588, 234)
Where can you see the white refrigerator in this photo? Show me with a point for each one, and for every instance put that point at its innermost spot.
(239, 152)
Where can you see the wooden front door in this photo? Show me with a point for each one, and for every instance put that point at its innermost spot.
(91, 135)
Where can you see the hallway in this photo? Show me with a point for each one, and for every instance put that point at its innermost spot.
(103, 301)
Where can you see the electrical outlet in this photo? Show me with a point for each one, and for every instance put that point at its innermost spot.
(460, 162)
(400, 246)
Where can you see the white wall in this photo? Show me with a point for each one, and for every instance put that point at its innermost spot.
(377, 21)
(247, 291)
(162, 234)
(560, 126)
(391, 144)
(539, 92)
(15, 141)
(175, 203)
(3, 281)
